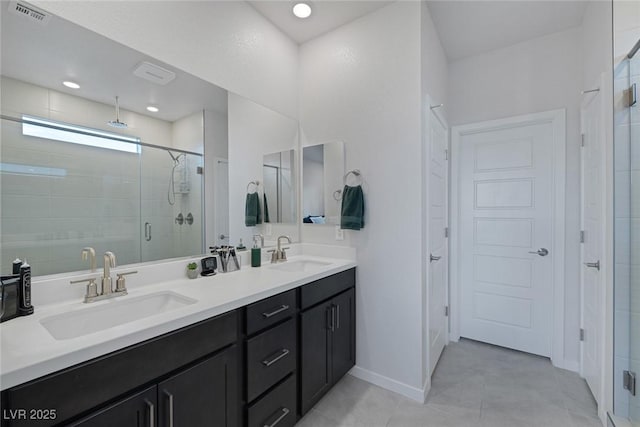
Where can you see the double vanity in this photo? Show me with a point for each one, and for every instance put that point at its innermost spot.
(255, 347)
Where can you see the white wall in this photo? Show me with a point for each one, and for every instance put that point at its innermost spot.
(537, 75)
(253, 132)
(361, 84)
(226, 43)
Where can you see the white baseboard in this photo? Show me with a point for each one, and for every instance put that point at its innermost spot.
(413, 393)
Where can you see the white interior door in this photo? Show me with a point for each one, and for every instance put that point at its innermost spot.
(438, 249)
(506, 241)
(593, 292)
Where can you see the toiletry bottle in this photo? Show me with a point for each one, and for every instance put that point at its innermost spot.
(16, 266)
(256, 252)
(24, 290)
(241, 246)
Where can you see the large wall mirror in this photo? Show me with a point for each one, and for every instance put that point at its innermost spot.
(322, 182)
(73, 175)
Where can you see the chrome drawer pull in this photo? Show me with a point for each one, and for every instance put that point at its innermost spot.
(152, 411)
(282, 354)
(282, 308)
(285, 412)
(170, 396)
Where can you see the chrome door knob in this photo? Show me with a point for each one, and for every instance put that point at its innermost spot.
(433, 258)
(595, 265)
(541, 252)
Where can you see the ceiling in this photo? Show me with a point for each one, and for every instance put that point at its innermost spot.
(468, 28)
(327, 15)
(47, 54)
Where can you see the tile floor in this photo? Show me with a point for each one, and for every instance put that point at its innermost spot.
(475, 384)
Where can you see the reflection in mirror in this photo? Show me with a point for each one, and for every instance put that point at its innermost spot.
(322, 181)
(70, 179)
(279, 203)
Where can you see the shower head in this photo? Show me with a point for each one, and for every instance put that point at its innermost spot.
(117, 123)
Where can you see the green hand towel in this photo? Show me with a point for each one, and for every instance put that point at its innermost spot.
(352, 208)
(266, 208)
(252, 214)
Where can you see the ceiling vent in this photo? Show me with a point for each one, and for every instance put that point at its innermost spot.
(27, 11)
(154, 73)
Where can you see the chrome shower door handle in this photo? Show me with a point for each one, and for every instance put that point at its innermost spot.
(540, 252)
(595, 265)
(147, 231)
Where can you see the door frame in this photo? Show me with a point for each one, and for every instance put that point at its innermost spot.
(429, 113)
(603, 275)
(558, 120)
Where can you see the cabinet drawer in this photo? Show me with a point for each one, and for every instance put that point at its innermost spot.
(323, 289)
(276, 409)
(270, 311)
(270, 357)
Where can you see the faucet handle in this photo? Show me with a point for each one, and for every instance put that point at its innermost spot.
(120, 284)
(92, 287)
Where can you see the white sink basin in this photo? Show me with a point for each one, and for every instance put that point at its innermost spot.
(113, 313)
(301, 265)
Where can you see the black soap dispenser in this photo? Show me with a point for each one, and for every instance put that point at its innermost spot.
(24, 290)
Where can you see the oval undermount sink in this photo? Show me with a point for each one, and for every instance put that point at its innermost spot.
(113, 313)
(301, 266)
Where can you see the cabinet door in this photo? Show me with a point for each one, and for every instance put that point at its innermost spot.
(134, 411)
(343, 336)
(203, 395)
(315, 360)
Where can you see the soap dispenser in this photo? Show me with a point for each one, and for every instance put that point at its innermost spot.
(256, 251)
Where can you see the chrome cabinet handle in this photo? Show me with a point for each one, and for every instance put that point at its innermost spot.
(152, 412)
(541, 252)
(338, 316)
(285, 412)
(329, 314)
(434, 258)
(147, 231)
(282, 354)
(282, 308)
(170, 396)
(595, 265)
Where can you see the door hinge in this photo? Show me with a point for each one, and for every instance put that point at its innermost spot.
(446, 310)
(582, 140)
(446, 232)
(629, 382)
(632, 95)
(582, 236)
(199, 170)
(581, 334)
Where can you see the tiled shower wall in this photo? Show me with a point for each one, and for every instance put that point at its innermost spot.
(74, 196)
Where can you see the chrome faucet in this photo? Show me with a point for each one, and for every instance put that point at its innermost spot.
(279, 254)
(90, 253)
(109, 261)
(107, 290)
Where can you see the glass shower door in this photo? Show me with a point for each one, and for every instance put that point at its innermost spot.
(171, 204)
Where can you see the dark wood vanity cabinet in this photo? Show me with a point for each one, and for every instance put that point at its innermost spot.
(327, 338)
(265, 364)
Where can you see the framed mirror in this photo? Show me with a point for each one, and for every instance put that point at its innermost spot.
(323, 167)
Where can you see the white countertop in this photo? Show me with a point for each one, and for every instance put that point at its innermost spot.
(28, 351)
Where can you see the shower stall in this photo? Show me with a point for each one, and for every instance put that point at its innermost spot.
(64, 187)
(627, 238)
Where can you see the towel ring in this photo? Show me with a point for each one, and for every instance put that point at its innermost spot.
(337, 195)
(256, 183)
(355, 172)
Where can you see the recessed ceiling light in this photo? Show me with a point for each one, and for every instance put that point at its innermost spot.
(72, 85)
(152, 109)
(302, 10)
